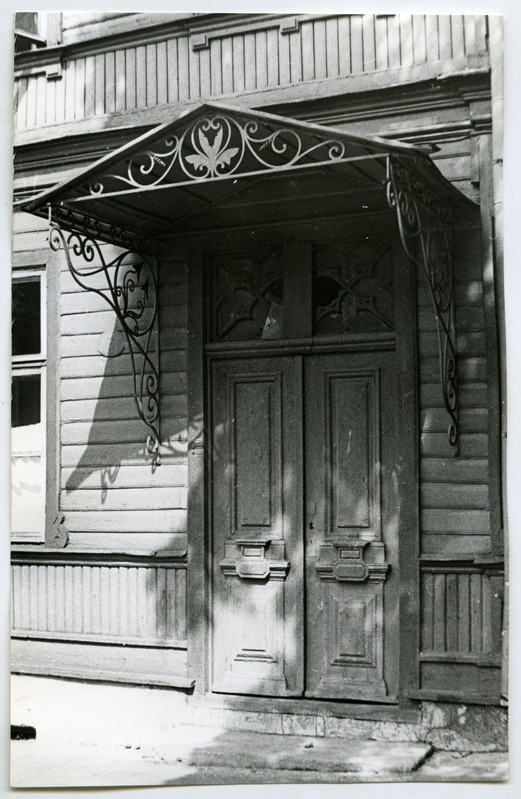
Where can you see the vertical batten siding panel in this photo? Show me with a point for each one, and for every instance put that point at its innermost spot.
(151, 602)
(180, 603)
(451, 595)
(120, 81)
(161, 603)
(261, 60)
(418, 38)
(444, 32)
(194, 72)
(183, 68)
(41, 101)
(319, 36)
(50, 102)
(90, 85)
(486, 623)
(114, 602)
(381, 43)
(332, 54)
(497, 613)
(470, 34)
(205, 78)
(132, 601)
(99, 92)
(60, 100)
(464, 644)
(394, 42)
(368, 33)
(457, 35)
(76, 599)
(24, 594)
(162, 74)
(432, 38)
(130, 79)
(141, 592)
(475, 613)
(33, 596)
(249, 62)
(21, 116)
(427, 626)
(344, 45)
(124, 626)
(284, 60)
(172, 71)
(272, 54)
(68, 590)
(96, 601)
(238, 63)
(308, 55)
(141, 77)
(227, 65)
(151, 83)
(439, 613)
(86, 598)
(216, 83)
(106, 599)
(51, 594)
(170, 603)
(31, 102)
(79, 89)
(406, 43)
(110, 83)
(295, 57)
(357, 45)
(60, 595)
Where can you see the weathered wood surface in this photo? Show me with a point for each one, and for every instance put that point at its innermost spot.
(103, 80)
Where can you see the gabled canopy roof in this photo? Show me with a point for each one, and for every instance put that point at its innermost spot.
(215, 164)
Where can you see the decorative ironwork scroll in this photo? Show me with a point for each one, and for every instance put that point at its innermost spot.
(218, 146)
(424, 225)
(129, 285)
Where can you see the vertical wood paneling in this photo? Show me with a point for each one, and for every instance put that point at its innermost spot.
(463, 613)
(41, 92)
(357, 46)
(261, 60)
(272, 54)
(60, 596)
(451, 598)
(320, 54)
(332, 49)
(470, 34)
(180, 603)
(151, 74)
(249, 62)
(110, 83)
(21, 116)
(205, 78)
(183, 69)
(444, 34)
(285, 60)
(31, 102)
(486, 610)
(50, 101)
(439, 612)
(394, 39)
(79, 89)
(427, 625)
(90, 85)
(295, 57)
(368, 36)
(457, 35)
(308, 55)
(431, 38)
(77, 597)
(51, 598)
(238, 63)
(120, 81)
(130, 79)
(227, 65)
(172, 71)
(418, 38)
(161, 610)
(475, 613)
(141, 77)
(406, 40)
(33, 596)
(99, 92)
(381, 43)
(215, 67)
(162, 74)
(96, 601)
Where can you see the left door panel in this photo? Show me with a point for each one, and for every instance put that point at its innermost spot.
(257, 593)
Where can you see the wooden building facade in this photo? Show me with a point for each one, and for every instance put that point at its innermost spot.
(257, 376)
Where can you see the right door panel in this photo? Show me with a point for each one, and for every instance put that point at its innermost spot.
(351, 527)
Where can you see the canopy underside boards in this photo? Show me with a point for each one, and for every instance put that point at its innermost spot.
(217, 165)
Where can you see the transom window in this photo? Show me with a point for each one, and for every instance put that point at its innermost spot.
(28, 405)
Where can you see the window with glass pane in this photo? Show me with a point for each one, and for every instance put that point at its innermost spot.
(27, 408)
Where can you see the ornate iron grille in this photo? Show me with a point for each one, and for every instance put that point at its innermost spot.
(353, 289)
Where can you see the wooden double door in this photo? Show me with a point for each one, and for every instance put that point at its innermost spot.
(304, 520)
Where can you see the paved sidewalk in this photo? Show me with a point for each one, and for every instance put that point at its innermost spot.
(214, 756)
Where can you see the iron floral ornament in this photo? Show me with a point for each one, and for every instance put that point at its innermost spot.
(215, 147)
(130, 289)
(424, 225)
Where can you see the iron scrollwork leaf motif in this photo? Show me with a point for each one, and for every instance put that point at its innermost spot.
(129, 285)
(424, 225)
(353, 289)
(218, 146)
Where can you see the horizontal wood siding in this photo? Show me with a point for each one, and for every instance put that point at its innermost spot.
(170, 70)
(107, 483)
(455, 498)
(141, 605)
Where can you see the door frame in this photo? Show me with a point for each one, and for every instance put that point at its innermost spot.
(192, 247)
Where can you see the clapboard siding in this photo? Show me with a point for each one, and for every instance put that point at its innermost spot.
(455, 497)
(169, 70)
(144, 605)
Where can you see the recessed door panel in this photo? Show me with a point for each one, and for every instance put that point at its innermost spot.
(258, 641)
(351, 596)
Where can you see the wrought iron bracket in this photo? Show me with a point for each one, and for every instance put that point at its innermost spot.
(128, 284)
(424, 223)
